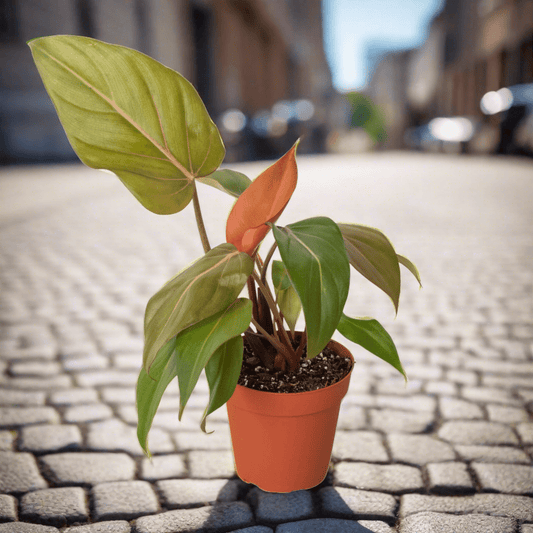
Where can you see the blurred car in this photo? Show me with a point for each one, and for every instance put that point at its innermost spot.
(512, 109)
(442, 134)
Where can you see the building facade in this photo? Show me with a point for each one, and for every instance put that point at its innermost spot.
(243, 54)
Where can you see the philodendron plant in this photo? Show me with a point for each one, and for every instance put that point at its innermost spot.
(127, 113)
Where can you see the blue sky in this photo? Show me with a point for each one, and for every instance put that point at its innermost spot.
(351, 27)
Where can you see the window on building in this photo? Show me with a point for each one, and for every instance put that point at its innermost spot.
(9, 30)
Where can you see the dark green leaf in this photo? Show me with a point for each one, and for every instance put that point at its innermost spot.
(372, 254)
(150, 389)
(313, 253)
(125, 112)
(228, 181)
(222, 372)
(411, 267)
(286, 295)
(205, 288)
(371, 335)
(196, 344)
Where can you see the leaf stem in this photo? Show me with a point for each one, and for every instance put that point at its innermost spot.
(200, 220)
(277, 344)
(267, 261)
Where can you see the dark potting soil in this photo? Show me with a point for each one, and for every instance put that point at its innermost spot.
(325, 369)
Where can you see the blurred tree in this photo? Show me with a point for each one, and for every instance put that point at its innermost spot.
(366, 115)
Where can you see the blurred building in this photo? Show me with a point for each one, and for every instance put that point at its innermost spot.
(241, 55)
(472, 47)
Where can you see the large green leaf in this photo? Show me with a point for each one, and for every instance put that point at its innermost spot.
(228, 181)
(150, 389)
(313, 253)
(372, 254)
(371, 335)
(125, 112)
(196, 345)
(411, 267)
(203, 289)
(286, 295)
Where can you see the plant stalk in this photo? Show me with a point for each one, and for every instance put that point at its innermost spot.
(200, 221)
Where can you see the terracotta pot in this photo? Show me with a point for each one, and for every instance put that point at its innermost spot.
(281, 441)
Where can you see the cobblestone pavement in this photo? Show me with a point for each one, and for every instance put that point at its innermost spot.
(451, 452)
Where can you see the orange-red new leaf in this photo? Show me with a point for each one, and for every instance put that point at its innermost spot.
(263, 201)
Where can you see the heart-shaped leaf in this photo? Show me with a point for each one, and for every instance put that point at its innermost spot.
(196, 344)
(222, 372)
(203, 289)
(286, 295)
(411, 267)
(125, 112)
(372, 254)
(150, 389)
(371, 335)
(228, 181)
(313, 253)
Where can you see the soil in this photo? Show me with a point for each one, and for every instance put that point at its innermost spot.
(323, 370)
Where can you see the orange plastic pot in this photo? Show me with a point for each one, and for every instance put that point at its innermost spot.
(281, 441)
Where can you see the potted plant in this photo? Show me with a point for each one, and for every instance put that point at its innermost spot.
(127, 113)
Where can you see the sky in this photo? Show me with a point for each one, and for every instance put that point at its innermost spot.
(353, 27)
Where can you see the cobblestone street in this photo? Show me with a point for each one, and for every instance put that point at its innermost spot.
(450, 452)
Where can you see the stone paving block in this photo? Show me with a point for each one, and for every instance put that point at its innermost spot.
(492, 454)
(526, 432)
(364, 446)
(113, 436)
(393, 421)
(179, 493)
(526, 528)
(127, 361)
(89, 468)
(21, 416)
(163, 467)
(74, 396)
(254, 529)
(8, 508)
(447, 478)
(441, 388)
(375, 526)
(353, 503)
(97, 378)
(19, 473)
(332, 525)
(85, 362)
(462, 377)
(419, 449)
(123, 500)
(477, 432)
(454, 408)
(272, 508)
(506, 382)
(55, 507)
(519, 507)
(197, 440)
(383, 478)
(35, 368)
(211, 465)
(119, 395)
(50, 438)
(36, 384)
(507, 415)
(507, 478)
(488, 395)
(18, 398)
(22, 527)
(6, 440)
(225, 516)
(396, 385)
(115, 526)
(432, 522)
(417, 402)
(87, 413)
(351, 417)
